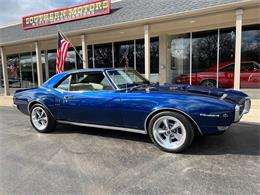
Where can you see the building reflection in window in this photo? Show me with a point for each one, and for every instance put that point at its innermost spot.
(124, 54)
(180, 59)
(90, 57)
(250, 57)
(70, 63)
(227, 40)
(52, 62)
(204, 58)
(140, 55)
(13, 69)
(28, 71)
(103, 55)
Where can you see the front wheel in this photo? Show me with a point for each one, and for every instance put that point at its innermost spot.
(41, 119)
(171, 131)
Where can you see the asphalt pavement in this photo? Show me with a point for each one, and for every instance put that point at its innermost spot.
(77, 160)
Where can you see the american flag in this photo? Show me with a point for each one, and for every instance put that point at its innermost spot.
(62, 50)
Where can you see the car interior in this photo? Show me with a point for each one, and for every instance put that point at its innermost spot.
(86, 82)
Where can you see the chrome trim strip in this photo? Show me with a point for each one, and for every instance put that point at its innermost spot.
(103, 127)
(174, 109)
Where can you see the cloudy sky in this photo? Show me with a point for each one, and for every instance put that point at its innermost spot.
(11, 11)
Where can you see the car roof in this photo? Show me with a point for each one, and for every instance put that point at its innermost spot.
(56, 78)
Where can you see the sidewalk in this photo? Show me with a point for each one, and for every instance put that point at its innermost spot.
(252, 117)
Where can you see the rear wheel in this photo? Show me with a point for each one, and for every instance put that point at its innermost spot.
(209, 83)
(41, 119)
(171, 131)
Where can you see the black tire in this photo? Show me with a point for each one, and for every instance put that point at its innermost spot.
(209, 83)
(188, 128)
(51, 122)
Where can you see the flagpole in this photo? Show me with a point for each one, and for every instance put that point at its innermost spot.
(62, 34)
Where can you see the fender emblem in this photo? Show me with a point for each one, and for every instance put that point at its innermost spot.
(225, 115)
(210, 115)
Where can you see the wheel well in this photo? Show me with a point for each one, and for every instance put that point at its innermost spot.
(196, 127)
(31, 105)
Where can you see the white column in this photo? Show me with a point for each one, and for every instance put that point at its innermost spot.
(46, 65)
(239, 14)
(5, 73)
(163, 65)
(147, 51)
(39, 63)
(84, 51)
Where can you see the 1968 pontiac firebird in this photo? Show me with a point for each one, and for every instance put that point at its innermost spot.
(121, 99)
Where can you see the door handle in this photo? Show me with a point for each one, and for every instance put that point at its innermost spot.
(66, 97)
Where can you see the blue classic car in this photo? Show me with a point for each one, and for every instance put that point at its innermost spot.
(122, 99)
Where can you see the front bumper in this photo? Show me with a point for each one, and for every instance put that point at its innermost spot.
(242, 108)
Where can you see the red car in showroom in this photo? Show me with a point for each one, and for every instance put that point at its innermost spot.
(249, 76)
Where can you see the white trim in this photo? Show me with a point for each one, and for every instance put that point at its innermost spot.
(104, 127)
(135, 54)
(218, 57)
(237, 68)
(190, 58)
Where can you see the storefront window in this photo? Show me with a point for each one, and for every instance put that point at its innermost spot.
(103, 55)
(70, 63)
(204, 58)
(154, 59)
(226, 58)
(140, 55)
(27, 71)
(52, 62)
(180, 59)
(124, 54)
(250, 57)
(13, 71)
(90, 58)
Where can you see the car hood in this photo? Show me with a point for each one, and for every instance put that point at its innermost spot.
(217, 93)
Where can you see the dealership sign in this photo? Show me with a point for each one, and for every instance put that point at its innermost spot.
(86, 10)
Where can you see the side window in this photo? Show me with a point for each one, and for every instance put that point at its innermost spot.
(228, 68)
(256, 66)
(64, 85)
(249, 66)
(91, 81)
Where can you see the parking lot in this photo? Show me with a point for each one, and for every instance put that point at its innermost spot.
(76, 160)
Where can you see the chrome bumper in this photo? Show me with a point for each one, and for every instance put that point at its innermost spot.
(15, 106)
(242, 109)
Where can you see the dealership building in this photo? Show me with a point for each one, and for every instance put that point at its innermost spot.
(199, 42)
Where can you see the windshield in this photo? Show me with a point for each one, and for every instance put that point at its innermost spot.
(126, 78)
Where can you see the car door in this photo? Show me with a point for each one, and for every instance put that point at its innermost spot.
(90, 98)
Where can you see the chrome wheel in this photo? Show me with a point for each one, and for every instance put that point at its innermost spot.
(169, 132)
(209, 83)
(39, 118)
